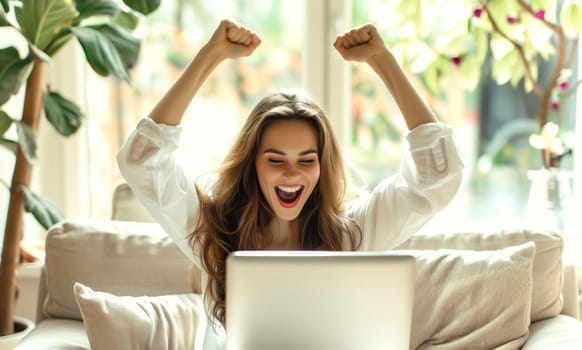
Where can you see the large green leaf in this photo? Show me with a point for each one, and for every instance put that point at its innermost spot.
(45, 213)
(26, 141)
(125, 43)
(41, 20)
(13, 72)
(101, 53)
(5, 122)
(143, 6)
(58, 42)
(5, 5)
(89, 8)
(63, 114)
(127, 20)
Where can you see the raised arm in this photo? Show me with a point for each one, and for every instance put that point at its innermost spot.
(230, 40)
(146, 160)
(364, 44)
(430, 172)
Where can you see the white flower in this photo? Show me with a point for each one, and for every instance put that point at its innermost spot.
(548, 139)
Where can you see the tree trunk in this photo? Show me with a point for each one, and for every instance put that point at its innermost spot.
(21, 177)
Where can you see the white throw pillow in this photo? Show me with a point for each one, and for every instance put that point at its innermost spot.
(547, 266)
(472, 299)
(125, 322)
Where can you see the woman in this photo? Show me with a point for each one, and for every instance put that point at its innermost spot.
(283, 184)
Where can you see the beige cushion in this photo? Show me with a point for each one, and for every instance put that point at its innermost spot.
(126, 207)
(121, 258)
(547, 268)
(472, 299)
(118, 322)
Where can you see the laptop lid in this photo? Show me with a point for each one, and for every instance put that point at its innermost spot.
(318, 300)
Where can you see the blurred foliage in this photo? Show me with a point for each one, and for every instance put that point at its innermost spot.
(478, 40)
(438, 36)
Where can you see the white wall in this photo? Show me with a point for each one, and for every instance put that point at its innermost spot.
(61, 174)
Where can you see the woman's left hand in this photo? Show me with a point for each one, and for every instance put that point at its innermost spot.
(360, 43)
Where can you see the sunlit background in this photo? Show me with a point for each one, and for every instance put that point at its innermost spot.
(297, 54)
(176, 31)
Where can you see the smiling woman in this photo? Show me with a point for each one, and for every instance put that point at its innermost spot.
(288, 165)
(283, 183)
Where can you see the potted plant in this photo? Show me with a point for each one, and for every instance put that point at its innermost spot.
(525, 44)
(104, 29)
(511, 38)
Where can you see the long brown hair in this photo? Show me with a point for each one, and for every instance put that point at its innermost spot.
(235, 216)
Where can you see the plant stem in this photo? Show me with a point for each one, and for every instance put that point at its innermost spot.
(520, 50)
(561, 59)
(21, 177)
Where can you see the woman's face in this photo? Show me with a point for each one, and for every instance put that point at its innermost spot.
(287, 165)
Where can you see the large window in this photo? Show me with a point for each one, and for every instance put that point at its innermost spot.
(296, 53)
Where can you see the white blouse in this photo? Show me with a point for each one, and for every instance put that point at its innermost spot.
(429, 177)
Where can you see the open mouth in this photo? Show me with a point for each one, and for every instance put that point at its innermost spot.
(288, 195)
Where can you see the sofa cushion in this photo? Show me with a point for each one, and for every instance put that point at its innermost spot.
(122, 258)
(560, 332)
(56, 334)
(162, 322)
(547, 266)
(126, 207)
(472, 299)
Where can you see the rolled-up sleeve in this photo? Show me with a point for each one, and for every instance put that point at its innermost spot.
(147, 163)
(429, 177)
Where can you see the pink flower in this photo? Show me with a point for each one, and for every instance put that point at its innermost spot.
(555, 105)
(477, 12)
(540, 14)
(563, 85)
(512, 19)
(456, 60)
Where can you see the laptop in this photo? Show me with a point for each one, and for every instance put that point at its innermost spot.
(318, 300)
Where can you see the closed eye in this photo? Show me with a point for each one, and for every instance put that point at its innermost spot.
(307, 161)
(275, 161)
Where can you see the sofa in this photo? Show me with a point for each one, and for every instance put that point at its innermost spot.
(123, 284)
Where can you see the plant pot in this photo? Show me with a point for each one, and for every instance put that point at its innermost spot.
(550, 199)
(22, 327)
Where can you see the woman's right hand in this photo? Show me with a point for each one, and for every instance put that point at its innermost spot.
(233, 40)
(230, 40)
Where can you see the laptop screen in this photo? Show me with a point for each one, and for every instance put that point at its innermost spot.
(318, 300)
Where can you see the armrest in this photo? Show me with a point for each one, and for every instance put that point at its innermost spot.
(571, 305)
(41, 296)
